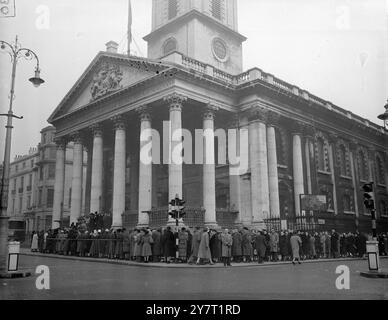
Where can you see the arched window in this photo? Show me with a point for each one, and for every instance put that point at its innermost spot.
(380, 170)
(172, 9)
(362, 166)
(321, 154)
(169, 46)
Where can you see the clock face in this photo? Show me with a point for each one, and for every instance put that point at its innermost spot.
(220, 49)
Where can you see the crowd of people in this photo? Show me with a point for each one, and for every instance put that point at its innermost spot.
(203, 245)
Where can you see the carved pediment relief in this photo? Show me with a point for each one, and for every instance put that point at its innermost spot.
(106, 80)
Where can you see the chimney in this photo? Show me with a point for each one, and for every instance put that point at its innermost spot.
(112, 47)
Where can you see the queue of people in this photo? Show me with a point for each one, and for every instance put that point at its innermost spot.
(203, 245)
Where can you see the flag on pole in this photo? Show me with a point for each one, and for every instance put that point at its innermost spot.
(129, 26)
(7, 8)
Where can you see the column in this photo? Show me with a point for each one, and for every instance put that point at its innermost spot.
(273, 166)
(209, 168)
(119, 172)
(353, 168)
(259, 167)
(234, 179)
(145, 168)
(59, 183)
(175, 180)
(297, 167)
(76, 185)
(332, 140)
(308, 148)
(97, 171)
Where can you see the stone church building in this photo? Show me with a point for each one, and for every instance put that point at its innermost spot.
(297, 143)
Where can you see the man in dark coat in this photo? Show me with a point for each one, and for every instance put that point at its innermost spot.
(237, 246)
(157, 245)
(168, 244)
(335, 244)
(247, 245)
(283, 245)
(261, 245)
(126, 244)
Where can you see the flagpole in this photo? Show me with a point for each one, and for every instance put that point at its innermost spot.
(129, 27)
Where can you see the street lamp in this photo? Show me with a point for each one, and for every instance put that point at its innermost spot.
(384, 116)
(16, 52)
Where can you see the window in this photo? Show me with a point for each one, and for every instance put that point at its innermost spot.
(40, 197)
(20, 204)
(32, 163)
(50, 198)
(13, 206)
(216, 9)
(24, 165)
(169, 46)
(16, 168)
(362, 166)
(343, 161)
(383, 208)
(41, 173)
(321, 154)
(347, 201)
(28, 204)
(14, 184)
(53, 153)
(51, 171)
(22, 182)
(30, 180)
(69, 198)
(380, 171)
(172, 9)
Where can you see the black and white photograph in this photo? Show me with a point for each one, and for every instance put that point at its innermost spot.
(193, 155)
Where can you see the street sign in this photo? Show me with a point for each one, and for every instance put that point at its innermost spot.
(310, 202)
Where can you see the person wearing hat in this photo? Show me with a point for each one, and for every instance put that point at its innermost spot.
(226, 241)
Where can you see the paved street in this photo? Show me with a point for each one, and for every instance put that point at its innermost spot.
(88, 280)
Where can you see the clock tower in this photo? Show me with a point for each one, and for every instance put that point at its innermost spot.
(205, 30)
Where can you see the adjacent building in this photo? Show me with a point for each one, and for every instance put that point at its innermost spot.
(31, 189)
(294, 143)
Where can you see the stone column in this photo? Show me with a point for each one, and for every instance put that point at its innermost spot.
(332, 140)
(145, 169)
(297, 166)
(273, 166)
(209, 168)
(119, 172)
(97, 172)
(234, 179)
(76, 185)
(175, 179)
(353, 168)
(308, 148)
(259, 166)
(59, 183)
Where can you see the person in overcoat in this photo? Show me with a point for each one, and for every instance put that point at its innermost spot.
(274, 245)
(261, 246)
(139, 245)
(204, 248)
(335, 244)
(34, 242)
(236, 246)
(226, 249)
(215, 245)
(126, 244)
(146, 248)
(168, 244)
(312, 253)
(133, 244)
(296, 243)
(246, 242)
(182, 244)
(328, 244)
(189, 243)
(156, 246)
(119, 244)
(195, 242)
(283, 245)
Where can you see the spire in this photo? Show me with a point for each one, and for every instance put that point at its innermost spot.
(129, 27)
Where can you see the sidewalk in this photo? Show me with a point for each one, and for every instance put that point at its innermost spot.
(27, 252)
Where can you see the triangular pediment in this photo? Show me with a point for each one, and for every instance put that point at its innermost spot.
(108, 73)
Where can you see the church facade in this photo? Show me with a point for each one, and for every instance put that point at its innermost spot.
(293, 142)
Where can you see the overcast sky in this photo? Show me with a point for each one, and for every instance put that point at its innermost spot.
(336, 49)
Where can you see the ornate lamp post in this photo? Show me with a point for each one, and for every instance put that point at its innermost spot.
(16, 52)
(384, 116)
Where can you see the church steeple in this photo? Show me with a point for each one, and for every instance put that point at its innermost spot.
(205, 30)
